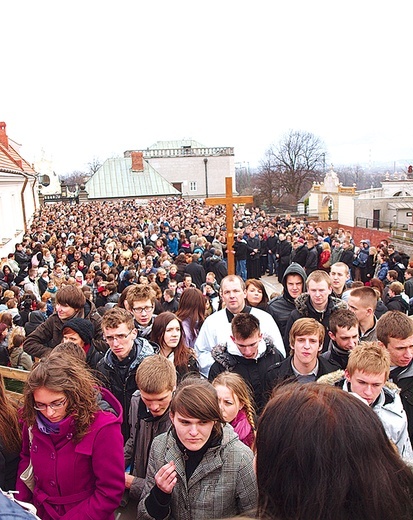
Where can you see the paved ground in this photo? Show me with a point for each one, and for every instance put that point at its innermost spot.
(271, 284)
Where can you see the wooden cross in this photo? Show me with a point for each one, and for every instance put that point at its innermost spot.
(229, 200)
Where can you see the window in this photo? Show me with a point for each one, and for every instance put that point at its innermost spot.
(192, 186)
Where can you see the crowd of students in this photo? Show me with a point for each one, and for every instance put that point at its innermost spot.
(156, 374)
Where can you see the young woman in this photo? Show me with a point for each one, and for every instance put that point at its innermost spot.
(199, 469)
(191, 311)
(323, 454)
(257, 295)
(74, 477)
(235, 401)
(167, 332)
(10, 440)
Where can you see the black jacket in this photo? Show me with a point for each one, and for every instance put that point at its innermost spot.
(403, 378)
(283, 371)
(299, 255)
(336, 356)
(119, 376)
(282, 306)
(305, 309)
(253, 371)
(397, 303)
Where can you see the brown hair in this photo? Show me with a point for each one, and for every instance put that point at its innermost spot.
(394, 324)
(72, 296)
(396, 288)
(192, 307)
(367, 296)
(155, 375)
(61, 373)
(244, 325)
(369, 357)
(182, 352)
(355, 476)
(10, 430)
(140, 292)
(115, 317)
(344, 318)
(197, 398)
(260, 286)
(304, 327)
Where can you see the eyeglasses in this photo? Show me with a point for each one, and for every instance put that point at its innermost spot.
(118, 337)
(53, 406)
(139, 310)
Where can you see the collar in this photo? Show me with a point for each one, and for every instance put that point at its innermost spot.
(314, 372)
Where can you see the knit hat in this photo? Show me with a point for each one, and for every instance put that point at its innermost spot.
(83, 327)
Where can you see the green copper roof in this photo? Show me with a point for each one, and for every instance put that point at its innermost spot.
(115, 179)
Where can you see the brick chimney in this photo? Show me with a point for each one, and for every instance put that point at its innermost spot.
(137, 161)
(4, 140)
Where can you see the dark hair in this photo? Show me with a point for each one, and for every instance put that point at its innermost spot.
(344, 318)
(394, 324)
(10, 430)
(324, 455)
(182, 353)
(72, 296)
(260, 286)
(244, 325)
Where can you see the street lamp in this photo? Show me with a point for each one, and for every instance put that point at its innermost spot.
(206, 176)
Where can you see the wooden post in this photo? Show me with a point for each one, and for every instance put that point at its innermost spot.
(229, 200)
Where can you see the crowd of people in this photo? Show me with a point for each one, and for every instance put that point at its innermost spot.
(154, 375)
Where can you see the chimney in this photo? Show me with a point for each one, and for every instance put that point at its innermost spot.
(4, 140)
(137, 161)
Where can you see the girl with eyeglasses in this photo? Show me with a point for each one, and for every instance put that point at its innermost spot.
(66, 436)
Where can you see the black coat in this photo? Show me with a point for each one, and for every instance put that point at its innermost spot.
(253, 371)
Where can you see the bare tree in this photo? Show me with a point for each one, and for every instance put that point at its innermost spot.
(299, 159)
(94, 165)
(74, 178)
(267, 183)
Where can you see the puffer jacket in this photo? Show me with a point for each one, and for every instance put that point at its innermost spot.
(223, 485)
(50, 333)
(228, 358)
(388, 407)
(305, 309)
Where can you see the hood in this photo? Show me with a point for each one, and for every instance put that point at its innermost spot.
(303, 304)
(108, 403)
(227, 354)
(37, 317)
(293, 268)
(367, 241)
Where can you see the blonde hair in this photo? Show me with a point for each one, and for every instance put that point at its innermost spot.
(369, 357)
(238, 387)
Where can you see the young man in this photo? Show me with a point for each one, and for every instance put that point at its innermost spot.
(304, 363)
(395, 332)
(70, 303)
(408, 284)
(249, 354)
(344, 336)
(216, 328)
(339, 274)
(148, 417)
(396, 302)
(363, 301)
(293, 286)
(316, 303)
(366, 375)
(141, 303)
(126, 352)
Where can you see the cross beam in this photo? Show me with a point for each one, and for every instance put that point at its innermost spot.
(228, 201)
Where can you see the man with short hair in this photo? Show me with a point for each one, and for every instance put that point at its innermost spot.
(140, 301)
(195, 269)
(363, 301)
(304, 364)
(311, 262)
(148, 417)
(293, 286)
(396, 302)
(365, 376)
(391, 277)
(339, 274)
(344, 336)
(317, 303)
(395, 332)
(408, 284)
(249, 354)
(216, 328)
(126, 352)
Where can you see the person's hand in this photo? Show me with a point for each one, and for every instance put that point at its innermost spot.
(166, 478)
(128, 480)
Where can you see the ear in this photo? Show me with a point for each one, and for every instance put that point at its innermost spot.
(171, 416)
(331, 335)
(347, 375)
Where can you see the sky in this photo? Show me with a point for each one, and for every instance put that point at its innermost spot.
(90, 79)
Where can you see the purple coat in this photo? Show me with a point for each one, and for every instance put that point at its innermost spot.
(75, 481)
